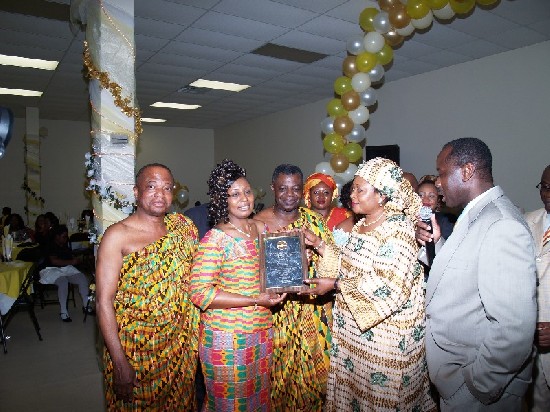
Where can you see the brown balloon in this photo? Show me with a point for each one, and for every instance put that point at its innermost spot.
(351, 100)
(339, 162)
(386, 5)
(342, 125)
(348, 66)
(393, 38)
(398, 16)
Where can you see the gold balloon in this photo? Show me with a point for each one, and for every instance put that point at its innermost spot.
(343, 125)
(462, 6)
(386, 5)
(366, 17)
(351, 100)
(393, 38)
(339, 163)
(349, 68)
(398, 16)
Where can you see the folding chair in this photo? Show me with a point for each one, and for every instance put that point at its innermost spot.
(23, 301)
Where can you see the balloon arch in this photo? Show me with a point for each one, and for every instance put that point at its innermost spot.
(368, 53)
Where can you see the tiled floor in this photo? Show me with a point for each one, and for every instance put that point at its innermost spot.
(60, 373)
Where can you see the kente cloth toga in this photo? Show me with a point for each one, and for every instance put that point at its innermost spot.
(158, 324)
(302, 339)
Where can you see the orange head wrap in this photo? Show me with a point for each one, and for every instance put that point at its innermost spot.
(313, 180)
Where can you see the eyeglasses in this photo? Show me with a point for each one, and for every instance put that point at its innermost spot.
(543, 187)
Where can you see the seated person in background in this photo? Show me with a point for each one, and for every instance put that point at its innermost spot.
(42, 230)
(6, 211)
(17, 229)
(430, 197)
(60, 270)
(87, 216)
(54, 220)
(319, 192)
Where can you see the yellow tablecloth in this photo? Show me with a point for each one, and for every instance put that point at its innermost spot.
(12, 275)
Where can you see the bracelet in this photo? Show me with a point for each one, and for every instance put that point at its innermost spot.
(336, 284)
(319, 245)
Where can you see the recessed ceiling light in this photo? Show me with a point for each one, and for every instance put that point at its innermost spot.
(151, 120)
(24, 62)
(212, 84)
(20, 92)
(180, 106)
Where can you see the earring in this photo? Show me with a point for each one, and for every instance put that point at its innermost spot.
(380, 203)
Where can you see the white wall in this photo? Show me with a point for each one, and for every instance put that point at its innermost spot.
(502, 99)
(188, 152)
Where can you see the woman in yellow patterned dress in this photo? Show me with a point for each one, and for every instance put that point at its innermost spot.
(378, 356)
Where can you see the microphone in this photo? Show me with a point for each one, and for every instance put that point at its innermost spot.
(425, 216)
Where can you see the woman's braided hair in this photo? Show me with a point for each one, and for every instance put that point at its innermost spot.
(221, 179)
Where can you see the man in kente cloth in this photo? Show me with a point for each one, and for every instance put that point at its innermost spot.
(301, 335)
(149, 325)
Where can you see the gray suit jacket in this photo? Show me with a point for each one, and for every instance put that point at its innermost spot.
(481, 303)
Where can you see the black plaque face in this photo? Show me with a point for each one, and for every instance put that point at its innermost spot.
(283, 262)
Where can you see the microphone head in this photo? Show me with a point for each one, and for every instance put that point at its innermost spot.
(425, 213)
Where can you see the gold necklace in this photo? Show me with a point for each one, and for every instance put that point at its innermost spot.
(239, 230)
(373, 222)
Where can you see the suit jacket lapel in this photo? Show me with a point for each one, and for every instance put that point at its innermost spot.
(444, 256)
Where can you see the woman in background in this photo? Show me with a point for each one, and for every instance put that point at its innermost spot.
(319, 192)
(235, 342)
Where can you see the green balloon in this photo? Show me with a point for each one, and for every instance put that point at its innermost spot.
(335, 108)
(385, 55)
(342, 84)
(333, 143)
(353, 152)
(365, 61)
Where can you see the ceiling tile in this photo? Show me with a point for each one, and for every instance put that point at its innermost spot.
(331, 27)
(478, 48)
(216, 40)
(201, 52)
(513, 39)
(310, 42)
(156, 28)
(444, 58)
(167, 11)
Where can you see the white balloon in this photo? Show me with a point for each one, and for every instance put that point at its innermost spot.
(357, 134)
(354, 45)
(424, 22)
(377, 73)
(381, 22)
(405, 31)
(444, 13)
(368, 97)
(327, 125)
(359, 115)
(360, 82)
(374, 42)
(324, 167)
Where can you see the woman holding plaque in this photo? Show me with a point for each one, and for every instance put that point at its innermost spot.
(378, 355)
(235, 343)
(320, 190)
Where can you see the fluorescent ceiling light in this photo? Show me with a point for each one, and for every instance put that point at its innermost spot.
(180, 106)
(211, 84)
(24, 62)
(151, 120)
(20, 92)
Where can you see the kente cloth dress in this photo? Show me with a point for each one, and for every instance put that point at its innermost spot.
(301, 339)
(336, 216)
(378, 355)
(236, 344)
(158, 324)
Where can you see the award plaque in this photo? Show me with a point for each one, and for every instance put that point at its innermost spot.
(283, 262)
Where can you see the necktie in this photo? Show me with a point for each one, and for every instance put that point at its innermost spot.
(546, 237)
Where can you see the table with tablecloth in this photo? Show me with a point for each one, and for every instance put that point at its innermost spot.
(12, 275)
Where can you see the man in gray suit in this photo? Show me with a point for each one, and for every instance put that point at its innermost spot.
(481, 294)
(539, 222)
